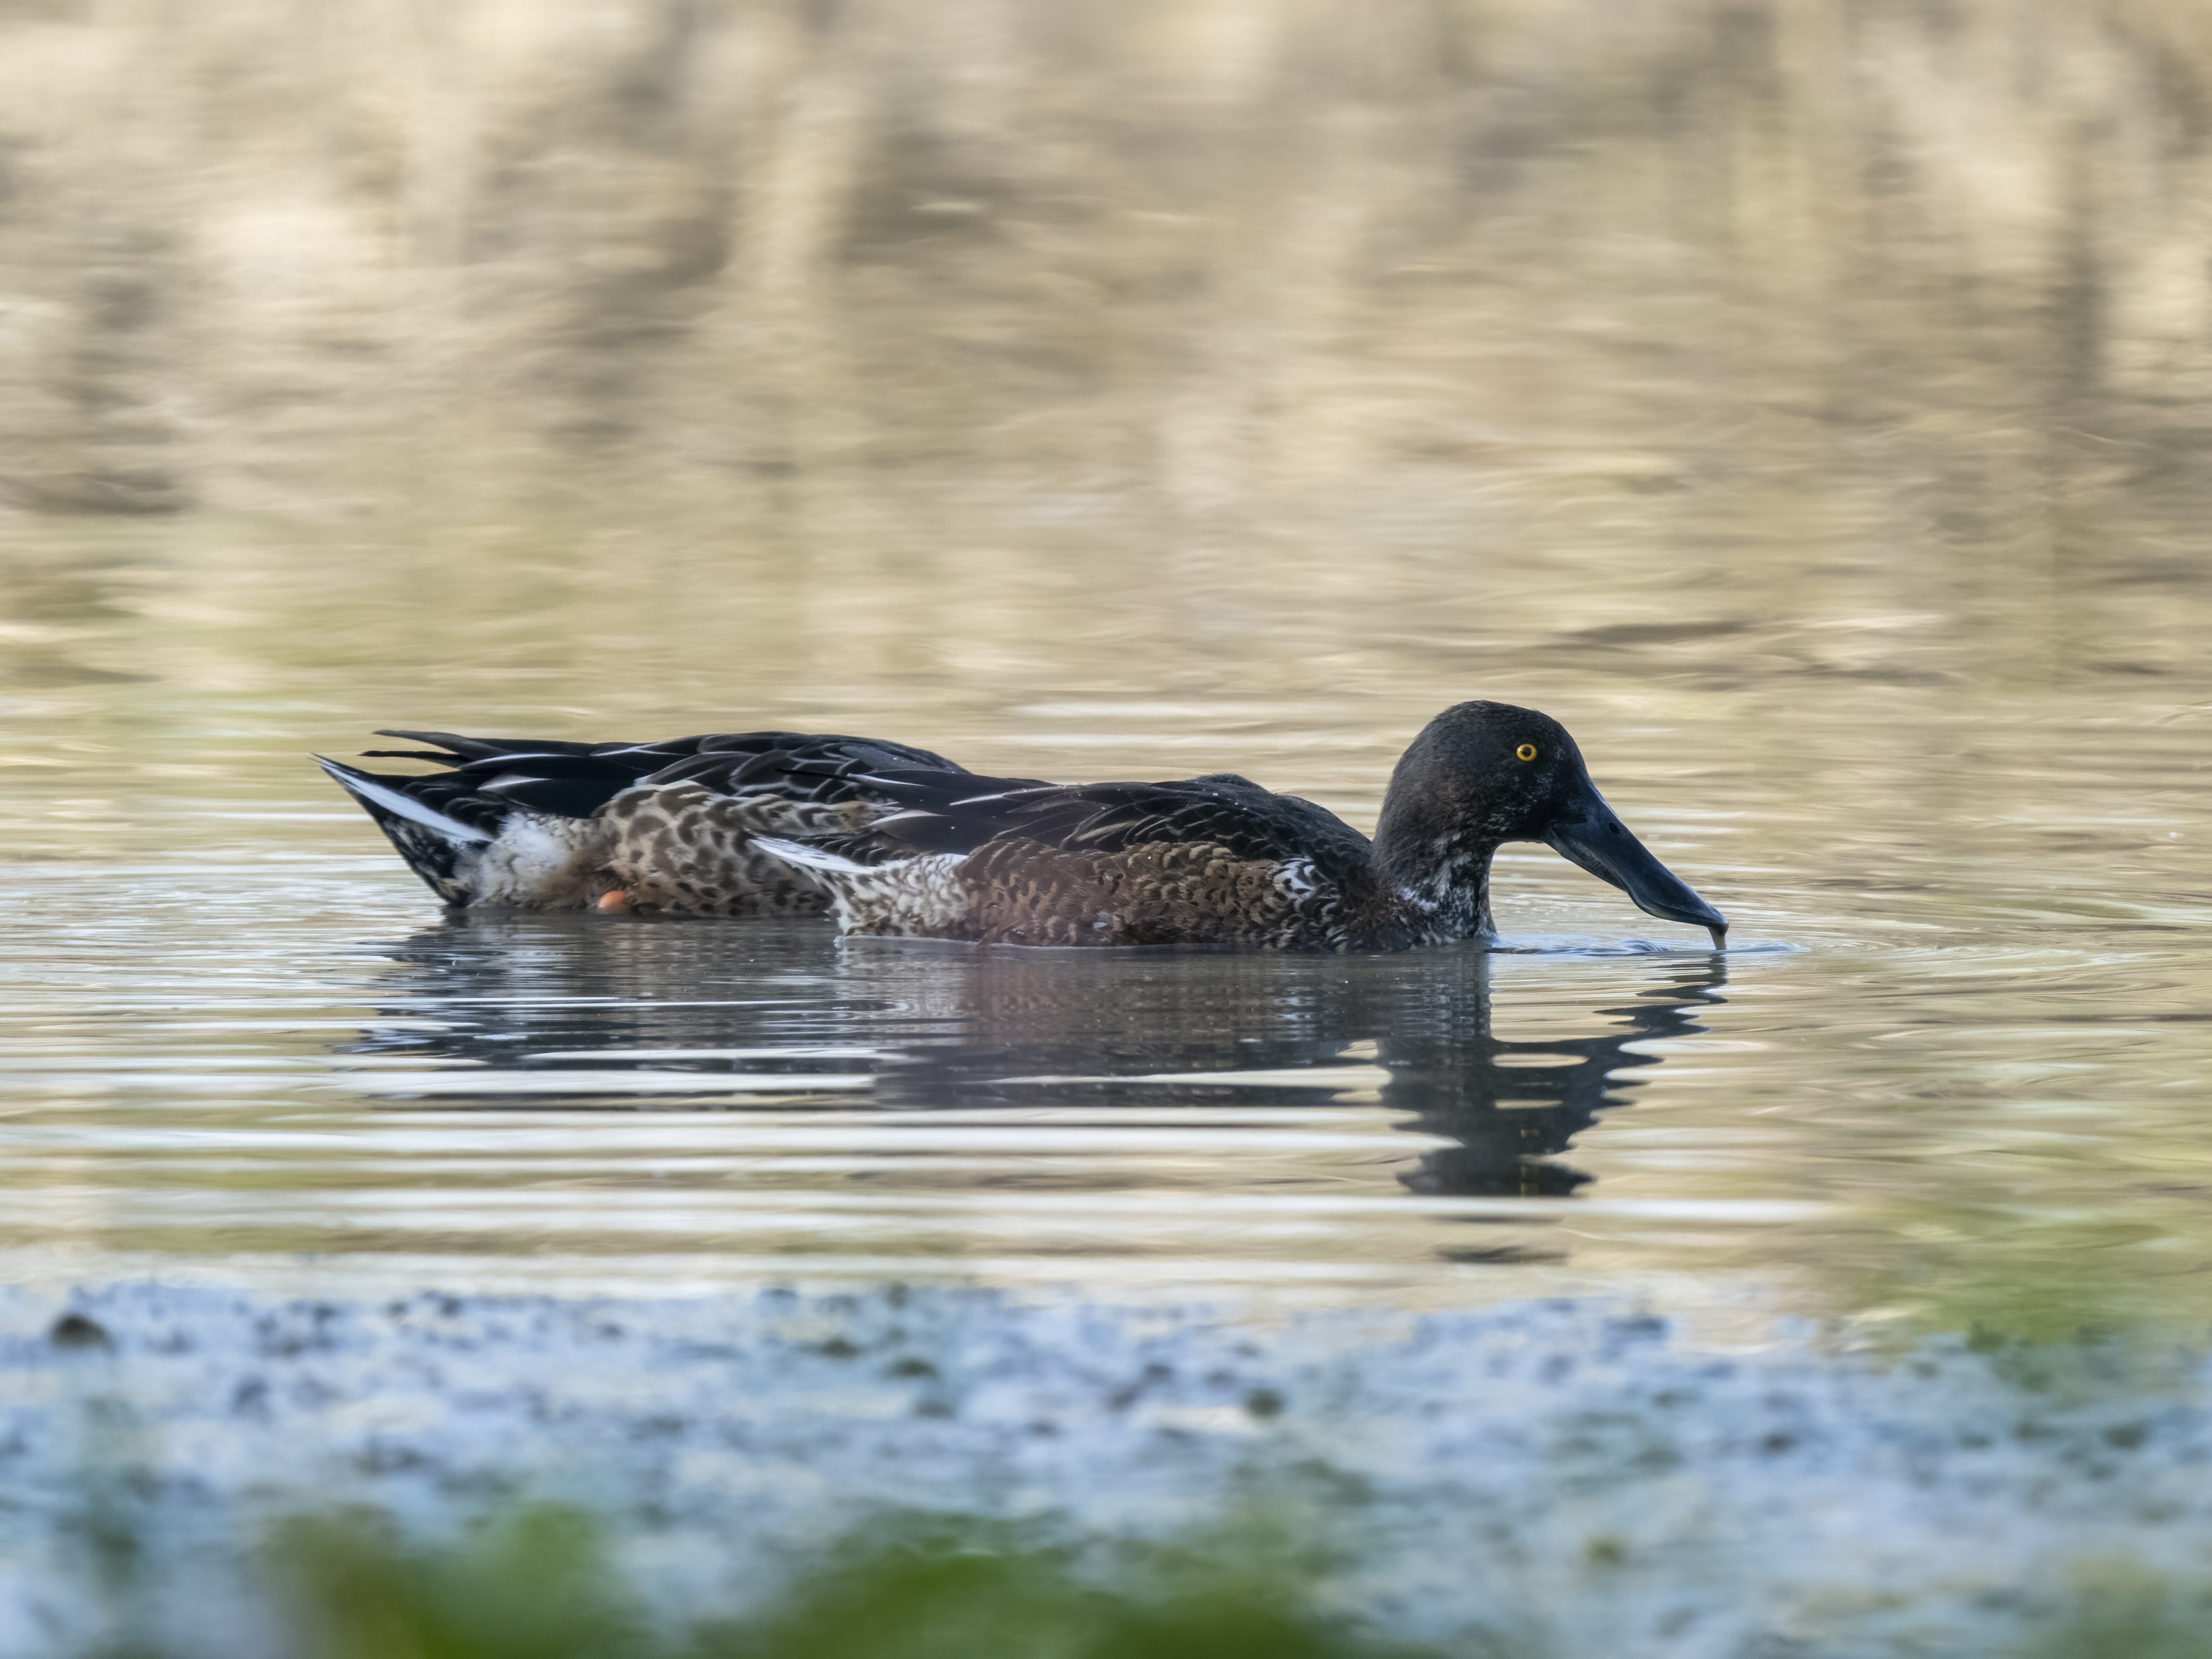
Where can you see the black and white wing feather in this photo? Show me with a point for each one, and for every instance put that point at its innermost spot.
(486, 778)
(479, 829)
(961, 814)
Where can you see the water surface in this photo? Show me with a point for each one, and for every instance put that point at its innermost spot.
(1949, 1071)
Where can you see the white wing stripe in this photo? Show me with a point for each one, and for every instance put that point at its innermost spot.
(812, 858)
(405, 806)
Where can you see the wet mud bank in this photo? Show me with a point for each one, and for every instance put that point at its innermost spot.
(1568, 1473)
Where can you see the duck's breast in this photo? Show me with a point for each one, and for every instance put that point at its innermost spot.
(1026, 892)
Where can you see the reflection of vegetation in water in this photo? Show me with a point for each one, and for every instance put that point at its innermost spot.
(1245, 255)
(537, 1585)
(2063, 1285)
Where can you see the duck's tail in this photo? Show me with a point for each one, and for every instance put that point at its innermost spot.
(441, 848)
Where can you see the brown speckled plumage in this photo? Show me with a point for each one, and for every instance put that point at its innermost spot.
(683, 847)
(667, 827)
(1018, 891)
(1025, 892)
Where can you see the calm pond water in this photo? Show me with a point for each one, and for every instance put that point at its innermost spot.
(1951, 1071)
(1106, 402)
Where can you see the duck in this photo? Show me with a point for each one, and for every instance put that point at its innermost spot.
(899, 842)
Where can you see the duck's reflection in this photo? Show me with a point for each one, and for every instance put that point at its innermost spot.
(1510, 1107)
(955, 1027)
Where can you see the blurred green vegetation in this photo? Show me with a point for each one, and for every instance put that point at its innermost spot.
(537, 1584)
(2121, 1611)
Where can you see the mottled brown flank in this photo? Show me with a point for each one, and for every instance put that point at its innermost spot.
(1024, 892)
(683, 848)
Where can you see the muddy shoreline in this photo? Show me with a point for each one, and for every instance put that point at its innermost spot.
(1573, 1472)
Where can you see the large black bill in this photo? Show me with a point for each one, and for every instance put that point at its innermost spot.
(1587, 833)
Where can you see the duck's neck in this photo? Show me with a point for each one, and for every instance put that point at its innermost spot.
(1442, 863)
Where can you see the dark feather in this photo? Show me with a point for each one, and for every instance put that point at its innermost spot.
(474, 749)
(567, 798)
(958, 814)
(800, 745)
(486, 778)
(823, 770)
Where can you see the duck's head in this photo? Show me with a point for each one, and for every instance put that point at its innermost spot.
(1481, 774)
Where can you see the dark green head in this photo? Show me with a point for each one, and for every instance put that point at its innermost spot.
(1482, 774)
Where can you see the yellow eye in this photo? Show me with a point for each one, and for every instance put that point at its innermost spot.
(1527, 751)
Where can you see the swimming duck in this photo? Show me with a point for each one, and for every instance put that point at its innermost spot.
(626, 827)
(903, 842)
(1219, 860)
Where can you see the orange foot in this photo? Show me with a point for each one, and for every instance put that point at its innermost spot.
(615, 903)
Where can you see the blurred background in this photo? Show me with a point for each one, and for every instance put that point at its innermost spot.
(810, 346)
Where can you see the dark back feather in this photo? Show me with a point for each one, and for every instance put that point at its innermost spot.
(488, 777)
(959, 814)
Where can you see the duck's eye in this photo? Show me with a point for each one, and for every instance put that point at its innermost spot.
(1527, 751)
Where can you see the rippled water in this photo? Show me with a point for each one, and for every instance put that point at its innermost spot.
(1129, 401)
(1952, 1071)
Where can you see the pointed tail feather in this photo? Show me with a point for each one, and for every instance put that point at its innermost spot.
(456, 749)
(437, 847)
